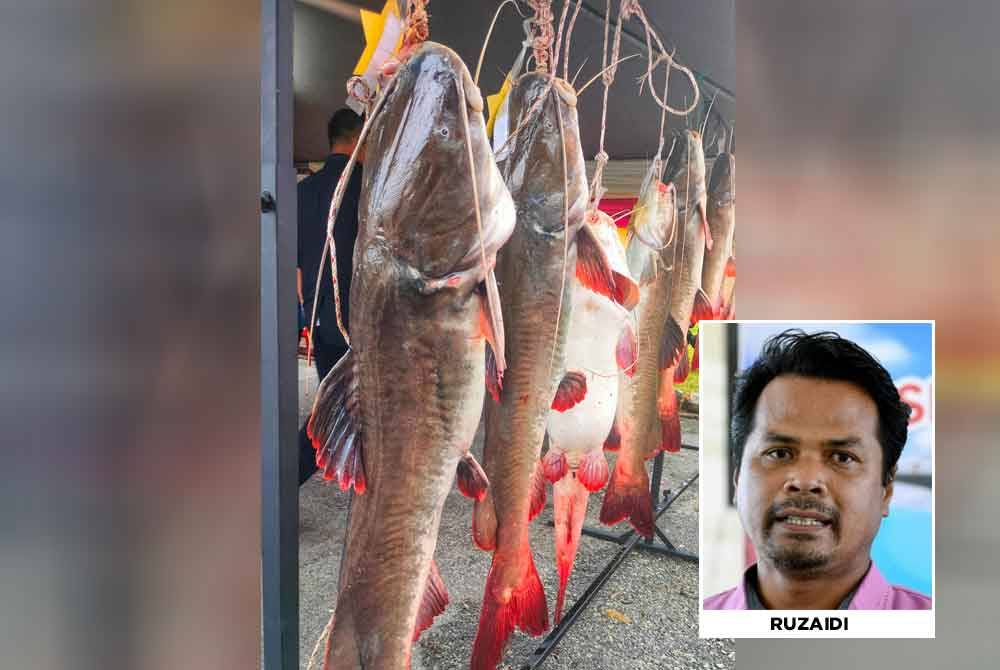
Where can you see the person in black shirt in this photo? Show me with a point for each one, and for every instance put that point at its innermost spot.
(314, 195)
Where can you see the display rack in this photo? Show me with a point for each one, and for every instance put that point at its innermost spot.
(629, 540)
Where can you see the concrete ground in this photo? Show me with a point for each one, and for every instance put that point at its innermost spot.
(645, 616)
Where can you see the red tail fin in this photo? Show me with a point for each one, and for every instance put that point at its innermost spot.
(506, 606)
(569, 499)
(627, 497)
(670, 439)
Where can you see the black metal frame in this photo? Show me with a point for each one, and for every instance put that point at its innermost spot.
(278, 371)
(629, 540)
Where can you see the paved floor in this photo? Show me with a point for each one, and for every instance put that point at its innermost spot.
(645, 617)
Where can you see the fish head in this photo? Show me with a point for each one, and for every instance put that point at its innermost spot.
(656, 210)
(428, 161)
(543, 114)
(686, 170)
(721, 186)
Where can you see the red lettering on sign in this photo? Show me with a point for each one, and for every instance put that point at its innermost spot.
(910, 394)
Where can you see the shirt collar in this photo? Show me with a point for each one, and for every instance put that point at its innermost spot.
(871, 593)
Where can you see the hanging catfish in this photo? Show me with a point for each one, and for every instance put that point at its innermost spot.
(396, 416)
(546, 176)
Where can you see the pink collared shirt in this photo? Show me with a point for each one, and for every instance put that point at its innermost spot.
(873, 593)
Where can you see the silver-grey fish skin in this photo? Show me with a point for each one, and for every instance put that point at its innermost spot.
(417, 339)
(535, 270)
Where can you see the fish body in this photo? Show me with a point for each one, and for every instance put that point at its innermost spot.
(576, 435)
(648, 420)
(548, 184)
(546, 176)
(408, 396)
(627, 496)
(721, 223)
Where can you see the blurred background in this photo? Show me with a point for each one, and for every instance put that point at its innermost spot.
(870, 143)
(903, 548)
(129, 276)
(129, 337)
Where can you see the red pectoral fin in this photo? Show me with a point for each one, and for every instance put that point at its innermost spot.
(471, 478)
(674, 342)
(593, 471)
(491, 319)
(494, 379)
(334, 427)
(682, 369)
(572, 389)
(702, 309)
(554, 465)
(593, 269)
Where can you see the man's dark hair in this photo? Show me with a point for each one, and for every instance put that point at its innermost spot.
(823, 355)
(343, 125)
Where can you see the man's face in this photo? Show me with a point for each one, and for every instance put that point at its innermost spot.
(809, 488)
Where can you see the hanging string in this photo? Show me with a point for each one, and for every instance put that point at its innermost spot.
(542, 42)
(417, 25)
(569, 34)
(338, 197)
(663, 120)
(632, 8)
(489, 33)
(359, 89)
(608, 77)
(559, 35)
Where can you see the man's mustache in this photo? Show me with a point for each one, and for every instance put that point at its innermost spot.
(801, 503)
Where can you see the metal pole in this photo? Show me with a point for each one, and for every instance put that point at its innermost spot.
(278, 365)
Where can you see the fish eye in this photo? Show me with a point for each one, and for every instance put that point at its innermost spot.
(444, 132)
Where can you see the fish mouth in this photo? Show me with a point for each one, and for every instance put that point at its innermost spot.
(436, 61)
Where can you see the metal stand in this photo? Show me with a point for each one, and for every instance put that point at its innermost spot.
(628, 540)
